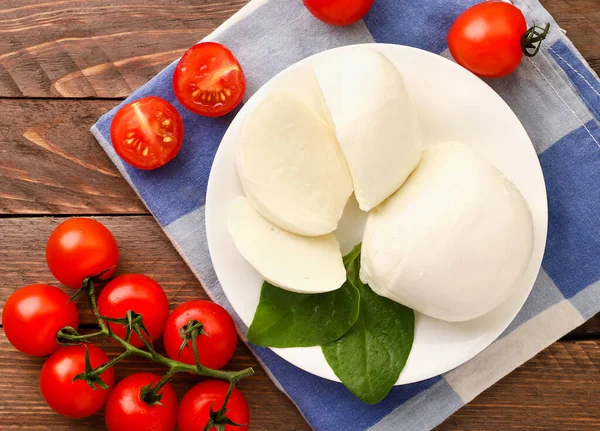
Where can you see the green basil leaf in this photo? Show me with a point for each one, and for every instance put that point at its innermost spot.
(351, 257)
(369, 358)
(288, 319)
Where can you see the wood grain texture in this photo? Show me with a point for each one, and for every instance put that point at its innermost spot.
(97, 48)
(51, 163)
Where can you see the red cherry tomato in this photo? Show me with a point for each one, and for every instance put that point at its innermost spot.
(147, 133)
(208, 80)
(196, 405)
(127, 411)
(486, 39)
(34, 314)
(138, 293)
(80, 248)
(74, 399)
(214, 349)
(339, 12)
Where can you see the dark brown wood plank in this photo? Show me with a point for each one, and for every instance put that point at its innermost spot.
(51, 163)
(97, 48)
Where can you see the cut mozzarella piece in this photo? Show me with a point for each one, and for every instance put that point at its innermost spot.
(292, 168)
(306, 89)
(293, 262)
(452, 241)
(375, 121)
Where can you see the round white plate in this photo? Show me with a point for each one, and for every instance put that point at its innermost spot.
(452, 104)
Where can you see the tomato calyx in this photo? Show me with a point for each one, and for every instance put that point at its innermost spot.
(190, 332)
(217, 419)
(149, 394)
(91, 375)
(133, 323)
(531, 42)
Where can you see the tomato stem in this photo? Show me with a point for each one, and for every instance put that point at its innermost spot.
(532, 39)
(135, 321)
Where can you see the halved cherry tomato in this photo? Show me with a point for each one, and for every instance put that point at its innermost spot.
(79, 248)
(208, 80)
(75, 399)
(215, 348)
(139, 293)
(196, 405)
(339, 12)
(34, 314)
(127, 411)
(147, 133)
(486, 39)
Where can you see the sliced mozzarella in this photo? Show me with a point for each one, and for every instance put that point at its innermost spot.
(293, 262)
(292, 168)
(306, 89)
(375, 121)
(452, 241)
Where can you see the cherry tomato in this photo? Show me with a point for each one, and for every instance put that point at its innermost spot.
(74, 399)
(339, 12)
(138, 293)
(34, 314)
(127, 411)
(196, 405)
(214, 349)
(486, 39)
(208, 80)
(80, 248)
(147, 133)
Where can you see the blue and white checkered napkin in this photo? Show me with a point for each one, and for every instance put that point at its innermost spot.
(555, 95)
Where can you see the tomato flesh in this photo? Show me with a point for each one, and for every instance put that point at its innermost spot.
(138, 293)
(339, 12)
(208, 80)
(214, 349)
(79, 248)
(126, 411)
(486, 39)
(196, 405)
(74, 399)
(34, 314)
(147, 133)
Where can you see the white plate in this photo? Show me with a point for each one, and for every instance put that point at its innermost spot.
(452, 104)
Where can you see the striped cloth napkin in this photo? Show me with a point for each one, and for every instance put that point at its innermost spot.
(555, 95)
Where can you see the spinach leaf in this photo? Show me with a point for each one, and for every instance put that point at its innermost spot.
(369, 358)
(288, 319)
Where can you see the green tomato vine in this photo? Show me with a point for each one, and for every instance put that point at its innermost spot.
(133, 322)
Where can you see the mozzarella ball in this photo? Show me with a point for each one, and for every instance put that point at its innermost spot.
(452, 241)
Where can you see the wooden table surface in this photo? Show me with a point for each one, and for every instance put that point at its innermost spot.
(64, 63)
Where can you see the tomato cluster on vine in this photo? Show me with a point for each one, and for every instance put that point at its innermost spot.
(78, 378)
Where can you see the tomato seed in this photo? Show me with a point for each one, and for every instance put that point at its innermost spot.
(167, 139)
